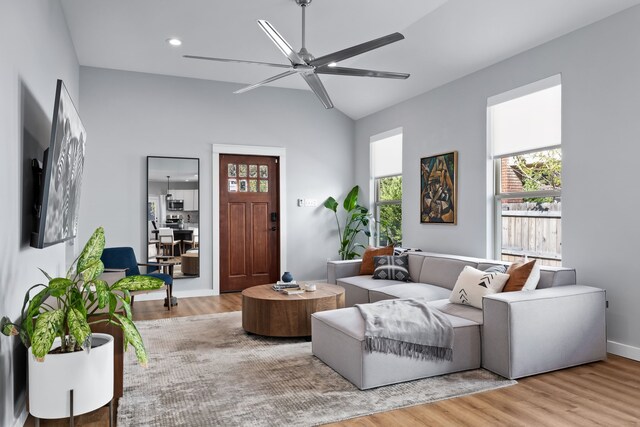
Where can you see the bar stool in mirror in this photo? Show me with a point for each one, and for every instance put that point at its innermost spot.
(193, 243)
(167, 241)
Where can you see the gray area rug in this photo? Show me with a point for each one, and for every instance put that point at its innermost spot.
(205, 371)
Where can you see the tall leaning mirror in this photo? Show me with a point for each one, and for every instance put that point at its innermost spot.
(173, 215)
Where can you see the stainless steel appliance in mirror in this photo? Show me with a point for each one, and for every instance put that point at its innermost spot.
(173, 215)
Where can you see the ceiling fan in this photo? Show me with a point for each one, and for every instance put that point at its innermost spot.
(305, 64)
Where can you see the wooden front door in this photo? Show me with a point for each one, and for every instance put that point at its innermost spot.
(249, 221)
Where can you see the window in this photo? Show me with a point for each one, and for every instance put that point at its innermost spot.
(386, 177)
(525, 144)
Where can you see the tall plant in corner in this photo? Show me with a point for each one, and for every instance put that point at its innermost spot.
(75, 302)
(356, 222)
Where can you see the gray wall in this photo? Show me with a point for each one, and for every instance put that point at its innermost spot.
(600, 66)
(36, 50)
(132, 115)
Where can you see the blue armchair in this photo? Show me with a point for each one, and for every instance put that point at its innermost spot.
(123, 258)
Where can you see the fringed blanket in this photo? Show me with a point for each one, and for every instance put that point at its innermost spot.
(407, 327)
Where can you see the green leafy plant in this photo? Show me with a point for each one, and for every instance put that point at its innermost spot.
(67, 306)
(356, 222)
(539, 171)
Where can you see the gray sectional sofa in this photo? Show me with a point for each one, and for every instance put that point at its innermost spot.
(516, 334)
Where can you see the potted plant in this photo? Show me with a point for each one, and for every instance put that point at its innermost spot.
(356, 222)
(55, 327)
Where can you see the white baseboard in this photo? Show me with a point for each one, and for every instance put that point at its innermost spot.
(623, 350)
(178, 294)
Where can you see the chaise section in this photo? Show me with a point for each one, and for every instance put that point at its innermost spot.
(338, 340)
(408, 290)
(531, 332)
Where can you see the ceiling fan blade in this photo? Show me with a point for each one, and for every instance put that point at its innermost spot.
(318, 88)
(282, 44)
(349, 52)
(264, 82)
(240, 61)
(343, 71)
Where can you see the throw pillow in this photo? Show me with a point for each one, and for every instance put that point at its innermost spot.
(496, 269)
(522, 274)
(473, 284)
(392, 268)
(399, 250)
(367, 266)
(534, 278)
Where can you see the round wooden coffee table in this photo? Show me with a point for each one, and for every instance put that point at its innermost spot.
(271, 313)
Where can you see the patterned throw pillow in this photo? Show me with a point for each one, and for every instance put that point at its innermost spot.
(496, 269)
(392, 268)
(473, 284)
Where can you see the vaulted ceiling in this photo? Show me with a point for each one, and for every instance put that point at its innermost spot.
(445, 39)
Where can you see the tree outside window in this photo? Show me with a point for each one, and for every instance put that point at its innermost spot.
(388, 210)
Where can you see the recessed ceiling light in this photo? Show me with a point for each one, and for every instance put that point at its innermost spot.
(332, 64)
(174, 41)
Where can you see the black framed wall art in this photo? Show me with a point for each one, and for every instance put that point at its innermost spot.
(439, 188)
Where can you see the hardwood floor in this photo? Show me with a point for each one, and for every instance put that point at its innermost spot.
(603, 393)
(152, 310)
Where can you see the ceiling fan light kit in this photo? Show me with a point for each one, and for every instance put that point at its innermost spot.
(305, 64)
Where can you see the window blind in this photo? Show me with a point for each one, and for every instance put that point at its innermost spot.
(526, 123)
(386, 156)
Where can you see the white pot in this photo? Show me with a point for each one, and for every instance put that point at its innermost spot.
(90, 376)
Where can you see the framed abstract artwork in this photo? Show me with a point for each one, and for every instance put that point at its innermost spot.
(439, 189)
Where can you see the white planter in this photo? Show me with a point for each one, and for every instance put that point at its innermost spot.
(90, 376)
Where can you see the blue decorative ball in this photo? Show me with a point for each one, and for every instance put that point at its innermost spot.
(287, 277)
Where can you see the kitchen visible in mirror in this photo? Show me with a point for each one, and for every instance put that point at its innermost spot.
(173, 215)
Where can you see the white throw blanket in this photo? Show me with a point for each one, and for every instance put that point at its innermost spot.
(407, 327)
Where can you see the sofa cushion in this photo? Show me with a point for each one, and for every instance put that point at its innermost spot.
(442, 272)
(458, 310)
(357, 288)
(367, 266)
(409, 290)
(415, 266)
(350, 322)
(556, 276)
(473, 284)
(392, 267)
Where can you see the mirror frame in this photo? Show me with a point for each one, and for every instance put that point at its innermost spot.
(146, 209)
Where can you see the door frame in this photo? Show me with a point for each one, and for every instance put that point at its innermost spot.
(251, 150)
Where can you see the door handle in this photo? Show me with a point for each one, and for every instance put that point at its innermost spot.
(274, 228)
